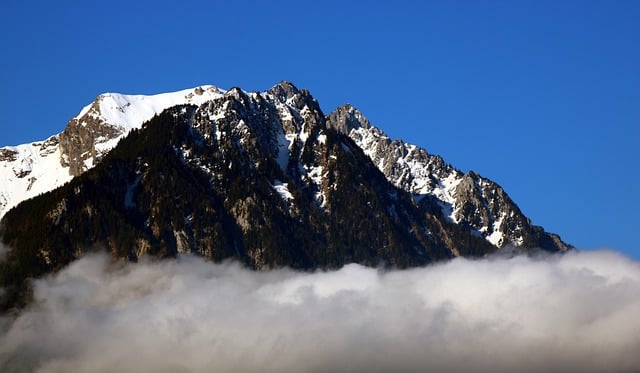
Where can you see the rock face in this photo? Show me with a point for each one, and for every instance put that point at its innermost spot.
(265, 178)
(79, 139)
(31, 169)
(468, 199)
(101, 124)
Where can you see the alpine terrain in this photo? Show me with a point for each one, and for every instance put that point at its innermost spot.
(265, 178)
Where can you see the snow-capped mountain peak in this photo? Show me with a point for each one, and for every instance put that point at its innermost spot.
(31, 169)
(282, 120)
(465, 199)
(128, 111)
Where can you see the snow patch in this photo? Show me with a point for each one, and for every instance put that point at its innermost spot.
(285, 141)
(315, 174)
(43, 169)
(283, 190)
(444, 192)
(497, 237)
(322, 138)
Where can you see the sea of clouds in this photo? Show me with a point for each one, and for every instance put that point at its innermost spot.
(575, 312)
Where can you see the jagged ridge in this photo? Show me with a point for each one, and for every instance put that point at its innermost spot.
(264, 178)
(469, 200)
(465, 199)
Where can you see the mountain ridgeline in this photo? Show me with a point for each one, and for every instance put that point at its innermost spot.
(266, 179)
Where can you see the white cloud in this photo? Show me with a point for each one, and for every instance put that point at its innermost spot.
(577, 312)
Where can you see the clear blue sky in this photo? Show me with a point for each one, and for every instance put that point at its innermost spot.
(541, 96)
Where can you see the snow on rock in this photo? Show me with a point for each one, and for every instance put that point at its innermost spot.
(497, 236)
(316, 174)
(414, 170)
(444, 192)
(284, 145)
(283, 190)
(130, 111)
(31, 169)
(409, 167)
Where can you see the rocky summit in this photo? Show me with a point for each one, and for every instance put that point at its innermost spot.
(264, 178)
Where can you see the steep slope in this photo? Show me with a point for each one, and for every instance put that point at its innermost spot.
(257, 177)
(470, 200)
(31, 169)
(269, 157)
(464, 199)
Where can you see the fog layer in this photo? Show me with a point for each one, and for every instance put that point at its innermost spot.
(577, 312)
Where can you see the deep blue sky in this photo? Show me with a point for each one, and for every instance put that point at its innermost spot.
(541, 96)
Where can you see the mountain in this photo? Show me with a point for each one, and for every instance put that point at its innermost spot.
(464, 199)
(31, 169)
(265, 178)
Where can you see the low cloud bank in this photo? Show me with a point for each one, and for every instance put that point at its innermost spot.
(577, 312)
